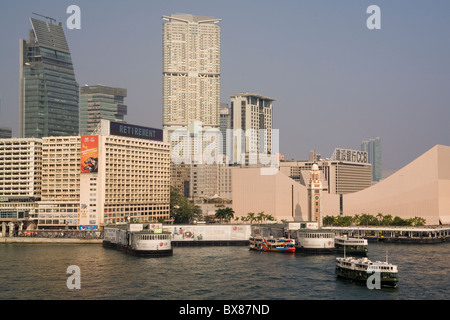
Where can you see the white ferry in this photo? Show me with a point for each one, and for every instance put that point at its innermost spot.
(352, 246)
(140, 239)
(314, 241)
(359, 270)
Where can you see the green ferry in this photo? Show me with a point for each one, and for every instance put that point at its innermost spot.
(359, 270)
(353, 246)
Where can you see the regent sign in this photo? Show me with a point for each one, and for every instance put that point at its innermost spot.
(348, 155)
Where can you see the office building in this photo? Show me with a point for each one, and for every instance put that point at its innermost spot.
(5, 133)
(252, 124)
(225, 126)
(373, 148)
(48, 89)
(100, 102)
(347, 171)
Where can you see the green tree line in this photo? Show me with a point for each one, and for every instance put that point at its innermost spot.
(371, 220)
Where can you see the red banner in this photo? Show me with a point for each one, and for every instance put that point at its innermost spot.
(89, 154)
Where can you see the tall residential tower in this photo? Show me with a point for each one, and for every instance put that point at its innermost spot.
(191, 71)
(48, 90)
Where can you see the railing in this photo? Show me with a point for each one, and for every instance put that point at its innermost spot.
(68, 234)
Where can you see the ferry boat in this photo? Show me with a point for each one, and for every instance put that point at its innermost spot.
(140, 239)
(359, 270)
(272, 244)
(353, 246)
(314, 241)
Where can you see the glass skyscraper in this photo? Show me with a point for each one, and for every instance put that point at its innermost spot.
(100, 102)
(373, 148)
(48, 89)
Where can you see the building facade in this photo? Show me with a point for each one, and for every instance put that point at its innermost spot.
(20, 179)
(252, 124)
(373, 148)
(420, 189)
(225, 127)
(48, 89)
(100, 102)
(85, 182)
(346, 171)
(191, 71)
(5, 133)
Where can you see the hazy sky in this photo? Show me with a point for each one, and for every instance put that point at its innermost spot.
(336, 82)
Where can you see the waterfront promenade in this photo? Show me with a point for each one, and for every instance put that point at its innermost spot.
(42, 240)
(233, 235)
(426, 234)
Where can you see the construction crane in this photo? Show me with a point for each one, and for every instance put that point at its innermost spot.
(51, 19)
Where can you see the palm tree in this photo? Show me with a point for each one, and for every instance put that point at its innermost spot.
(251, 217)
(225, 213)
(261, 216)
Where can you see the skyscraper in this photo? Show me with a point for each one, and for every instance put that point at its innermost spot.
(48, 89)
(100, 102)
(225, 124)
(373, 148)
(191, 71)
(251, 116)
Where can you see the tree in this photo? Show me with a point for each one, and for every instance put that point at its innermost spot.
(225, 213)
(387, 220)
(261, 216)
(181, 209)
(251, 217)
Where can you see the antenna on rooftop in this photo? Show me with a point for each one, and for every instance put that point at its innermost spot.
(51, 19)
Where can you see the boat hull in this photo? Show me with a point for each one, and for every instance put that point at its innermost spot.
(282, 250)
(139, 253)
(315, 250)
(363, 277)
(353, 252)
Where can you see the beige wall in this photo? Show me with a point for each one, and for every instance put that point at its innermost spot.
(277, 195)
(421, 188)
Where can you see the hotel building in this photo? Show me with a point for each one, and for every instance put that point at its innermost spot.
(85, 182)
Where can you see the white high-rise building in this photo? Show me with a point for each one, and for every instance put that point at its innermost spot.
(252, 124)
(191, 71)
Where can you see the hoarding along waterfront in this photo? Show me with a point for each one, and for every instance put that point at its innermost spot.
(213, 273)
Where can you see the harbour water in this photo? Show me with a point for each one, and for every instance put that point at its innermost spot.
(39, 272)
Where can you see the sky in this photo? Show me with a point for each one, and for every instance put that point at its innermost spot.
(336, 82)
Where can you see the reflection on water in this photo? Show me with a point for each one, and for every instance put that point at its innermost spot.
(216, 273)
